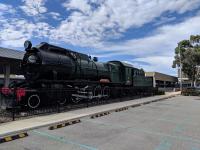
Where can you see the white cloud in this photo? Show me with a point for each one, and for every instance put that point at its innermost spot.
(9, 27)
(162, 41)
(80, 5)
(12, 34)
(34, 7)
(15, 31)
(164, 20)
(55, 15)
(155, 63)
(4, 9)
(91, 25)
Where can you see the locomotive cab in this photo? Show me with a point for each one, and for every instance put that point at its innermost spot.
(121, 72)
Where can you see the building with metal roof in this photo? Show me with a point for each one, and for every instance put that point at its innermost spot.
(161, 80)
(11, 54)
(9, 63)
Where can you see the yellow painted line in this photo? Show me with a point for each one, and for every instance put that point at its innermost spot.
(13, 137)
(21, 135)
(64, 124)
(8, 138)
(99, 115)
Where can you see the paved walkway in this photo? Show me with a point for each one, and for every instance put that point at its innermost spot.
(37, 122)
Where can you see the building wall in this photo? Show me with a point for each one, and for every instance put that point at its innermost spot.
(162, 80)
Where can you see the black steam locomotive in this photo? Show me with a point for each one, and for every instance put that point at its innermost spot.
(54, 74)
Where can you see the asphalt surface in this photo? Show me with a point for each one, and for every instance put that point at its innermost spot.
(173, 124)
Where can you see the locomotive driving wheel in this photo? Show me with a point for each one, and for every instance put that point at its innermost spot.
(33, 101)
(63, 101)
(75, 99)
(97, 92)
(106, 92)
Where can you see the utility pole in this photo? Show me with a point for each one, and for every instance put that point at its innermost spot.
(180, 69)
(197, 76)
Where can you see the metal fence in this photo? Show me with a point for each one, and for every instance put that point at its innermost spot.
(16, 113)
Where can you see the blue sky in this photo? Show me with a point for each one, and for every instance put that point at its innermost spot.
(141, 32)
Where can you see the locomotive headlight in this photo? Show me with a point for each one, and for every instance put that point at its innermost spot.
(32, 59)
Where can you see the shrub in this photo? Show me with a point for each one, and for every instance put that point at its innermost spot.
(190, 92)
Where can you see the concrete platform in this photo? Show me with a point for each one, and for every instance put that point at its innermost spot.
(172, 124)
(42, 121)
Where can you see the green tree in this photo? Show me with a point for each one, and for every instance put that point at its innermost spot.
(187, 54)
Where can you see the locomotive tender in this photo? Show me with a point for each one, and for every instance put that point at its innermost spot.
(54, 74)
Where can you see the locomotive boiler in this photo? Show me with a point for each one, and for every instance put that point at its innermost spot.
(50, 62)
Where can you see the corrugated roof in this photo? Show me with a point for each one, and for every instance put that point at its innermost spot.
(126, 64)
(161, 76)
(10, 53)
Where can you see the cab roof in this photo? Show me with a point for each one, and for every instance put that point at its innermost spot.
(121, 63)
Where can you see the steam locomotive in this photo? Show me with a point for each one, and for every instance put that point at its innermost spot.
(58, 75)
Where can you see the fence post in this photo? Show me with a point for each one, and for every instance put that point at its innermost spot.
(1, 100)
(58, 107)
(13, 109)
(87, 102)
(13, 114)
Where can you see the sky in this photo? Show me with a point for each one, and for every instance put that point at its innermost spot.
(140, 32)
